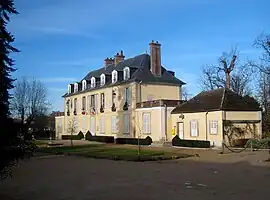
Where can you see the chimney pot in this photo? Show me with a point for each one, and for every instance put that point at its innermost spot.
(119, 57)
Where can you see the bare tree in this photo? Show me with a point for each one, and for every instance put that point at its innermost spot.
(72, 128)
(227, 74)
(29, 101)
(185, 94)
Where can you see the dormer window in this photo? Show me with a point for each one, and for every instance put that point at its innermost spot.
(102, 79)
(126, 73)
(84, 85)
(76, 88)
(93, 82)
(69, 89)
(114, 76)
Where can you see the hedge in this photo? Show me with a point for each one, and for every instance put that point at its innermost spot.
(101, 138)
(176, 141)
(134, 141)
(79, 136)
(240, 142)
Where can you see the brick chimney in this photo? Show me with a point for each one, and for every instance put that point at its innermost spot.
(119, 57)
(155, 58)
(108, 61)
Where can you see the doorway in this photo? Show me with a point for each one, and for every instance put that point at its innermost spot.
(180, 130)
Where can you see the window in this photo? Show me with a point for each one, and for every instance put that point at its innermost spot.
(75, 106)
(102, 100)
(126, 73)
(146, 123)
(84, 85)
(102, 125)
(89, 102)
(83, 103)
(213, 127)
(114, 76)
(76, 87)
(93, 82)
(127, 95)
(194, 128)
(114, 124)
(113, 97)
(126, 124)
(92, 101)
(67, 104)
(102, 79)
(69, 89)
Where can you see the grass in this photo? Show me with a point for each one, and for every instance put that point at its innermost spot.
(114, 152)
(40, 142)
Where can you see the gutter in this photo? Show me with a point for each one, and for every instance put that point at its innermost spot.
(206, 127)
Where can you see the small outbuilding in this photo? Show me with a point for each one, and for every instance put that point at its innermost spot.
(218, 116)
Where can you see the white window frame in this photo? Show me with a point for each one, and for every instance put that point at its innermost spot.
(114, 76)
(69, 89)
(102, 79)
(126, 123)
(114, 124)
(93, 82)
(146, 121)
(102, 125)
(213, 127)
(126, 73)
(84, 83)
(194, 132)
(76, 87)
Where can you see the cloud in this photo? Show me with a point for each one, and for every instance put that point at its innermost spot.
(57, 79)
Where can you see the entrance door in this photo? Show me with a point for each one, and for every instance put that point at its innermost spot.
(93, 125)
(180, 129)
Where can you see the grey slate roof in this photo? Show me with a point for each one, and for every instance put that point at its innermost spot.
(139, 71)
(219, 99)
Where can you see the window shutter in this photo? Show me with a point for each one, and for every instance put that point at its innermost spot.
(129, 96)
(96, 103)
(126, 123)
(102, 125)
(194, 128)
(113, 124)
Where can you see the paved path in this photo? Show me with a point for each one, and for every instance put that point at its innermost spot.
(78, 178)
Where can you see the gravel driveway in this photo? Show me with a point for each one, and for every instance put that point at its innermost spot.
(72, 178)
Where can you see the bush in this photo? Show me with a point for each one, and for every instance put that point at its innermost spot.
(240, 142)
(176, 141)
(73, 137)
(101, 138)
(134, 141)
(81, 135)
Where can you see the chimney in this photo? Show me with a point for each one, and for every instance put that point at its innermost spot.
(108, 61)
(155, 58)
(119, 57)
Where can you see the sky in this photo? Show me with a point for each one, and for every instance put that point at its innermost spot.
(62, 40)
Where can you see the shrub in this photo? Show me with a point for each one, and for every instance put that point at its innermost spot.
(81, 135)
(73, 137)
(176, 141)
(104, 139)
(88, 135)
(134, 141)
(240, 142)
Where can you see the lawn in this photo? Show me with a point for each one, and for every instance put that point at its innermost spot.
(114, 152)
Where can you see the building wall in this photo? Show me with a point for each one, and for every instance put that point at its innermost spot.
(250, 130)
(59, 126)
(154, 92)
(80, 122)
(203, 119)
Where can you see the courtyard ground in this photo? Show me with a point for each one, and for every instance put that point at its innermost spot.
(209, 175)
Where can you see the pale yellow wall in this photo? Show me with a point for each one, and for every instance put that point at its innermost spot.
(155, 126)
(159, 92)
(59, 126)
(248, 128)
(203, 126)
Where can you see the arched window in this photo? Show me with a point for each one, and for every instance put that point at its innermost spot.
(102, 79)
(93, 82)
(114, 76)
(126, 73)
(84, 85)
(69, 89)
(76, 88)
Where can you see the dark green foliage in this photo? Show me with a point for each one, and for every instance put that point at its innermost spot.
(134, 141)
(104, 139)
(81, 135)
(87, 135)
(176, 141)
(240, 142)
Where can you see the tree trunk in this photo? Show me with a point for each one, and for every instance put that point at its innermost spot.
(227, 80)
